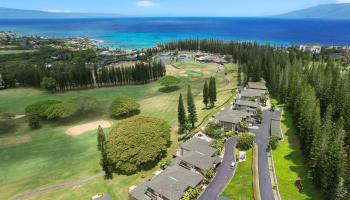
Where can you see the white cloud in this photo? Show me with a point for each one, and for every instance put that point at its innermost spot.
(343, 1)
(146, 4)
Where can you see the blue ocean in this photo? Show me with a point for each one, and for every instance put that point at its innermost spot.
(135, 33)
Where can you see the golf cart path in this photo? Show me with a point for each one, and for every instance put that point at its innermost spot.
(56, 187)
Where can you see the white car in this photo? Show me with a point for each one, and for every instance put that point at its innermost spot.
(233, 164)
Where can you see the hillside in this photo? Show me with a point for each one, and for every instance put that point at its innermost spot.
(326, 11)
(10, 13)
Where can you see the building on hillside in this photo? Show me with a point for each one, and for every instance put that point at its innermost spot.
(197, 155)
(311, 48)
(275, 128)
(171, 184)
(252, 94)
(257, 85)
(229, 118)
(211, 59)
(249, 106)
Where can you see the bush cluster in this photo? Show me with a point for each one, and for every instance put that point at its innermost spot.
(137, 143)
(213, 130)
(245, 142)
(124, 107)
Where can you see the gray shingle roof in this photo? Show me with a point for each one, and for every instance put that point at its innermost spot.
(252, 93)
(231, 116)
(173, 182)
(199, 160)
(199, 145)
(257, 85)
(247, 103)
(139, 192)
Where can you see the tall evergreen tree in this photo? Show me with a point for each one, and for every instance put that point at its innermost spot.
(182, 119)
(191, 107)
(212, 91)
(101, 138)
(206, 94)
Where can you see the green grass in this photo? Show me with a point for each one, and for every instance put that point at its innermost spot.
(52, 157)
(230, 66)
(241, 185)
(289, 165)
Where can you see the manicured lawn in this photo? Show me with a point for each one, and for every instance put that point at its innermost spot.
(50, 157)
(230, 66)
(289, 166)
(241, 185)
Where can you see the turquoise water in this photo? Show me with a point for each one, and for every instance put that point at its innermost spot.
(135, 33)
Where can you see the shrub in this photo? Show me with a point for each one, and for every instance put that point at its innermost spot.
(273, 141)
(230, 134)
(6, 121)
(218, 144)
(192, 193)
(33, 121)
(164, 163)
(245, 142)
(209, 175)
(39, 108)
(168, 81)
(124, 107)
(242, 126)
(61, 111)
(137, 143)
(214, 130)
(49, 84)
(259, 114)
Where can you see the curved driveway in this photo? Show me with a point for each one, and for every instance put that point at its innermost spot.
(262, 139)
(224, 173)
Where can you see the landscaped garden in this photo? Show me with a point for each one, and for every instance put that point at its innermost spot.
(34, 159)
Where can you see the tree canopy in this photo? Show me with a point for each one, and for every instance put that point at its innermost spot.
(124, 107)
(137, 143)
(169, 81)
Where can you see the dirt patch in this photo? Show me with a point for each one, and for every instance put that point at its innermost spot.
(15, 140)
(79, 129)
(293, 142)
(194, 79)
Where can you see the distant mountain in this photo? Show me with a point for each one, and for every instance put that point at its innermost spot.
(10, 13)
(326, 11)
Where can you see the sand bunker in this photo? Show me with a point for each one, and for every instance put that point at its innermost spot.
(14, 140)
(184, 75)
(194, 79)
(196, 70)
(77, 130)
(183, 72)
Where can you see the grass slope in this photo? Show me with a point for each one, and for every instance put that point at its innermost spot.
(241, 185)
(50, 157)
(289, 165)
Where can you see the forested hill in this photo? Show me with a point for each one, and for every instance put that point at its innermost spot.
(10, 13)
(326, 11)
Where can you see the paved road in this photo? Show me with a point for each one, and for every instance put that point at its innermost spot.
(262, 137)
(223, 173)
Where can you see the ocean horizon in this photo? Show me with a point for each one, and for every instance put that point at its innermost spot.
(145, 32)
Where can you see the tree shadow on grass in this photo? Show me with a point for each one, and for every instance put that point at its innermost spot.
(169, 89)
(296, 156)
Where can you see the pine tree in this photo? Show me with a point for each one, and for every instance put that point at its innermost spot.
(206, 94)
(101, 138)
(191, 107)
(182, 119)
(239, 75)
(105, 164)
(212, 91)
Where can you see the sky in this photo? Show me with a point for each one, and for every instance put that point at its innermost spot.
(235, 8)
